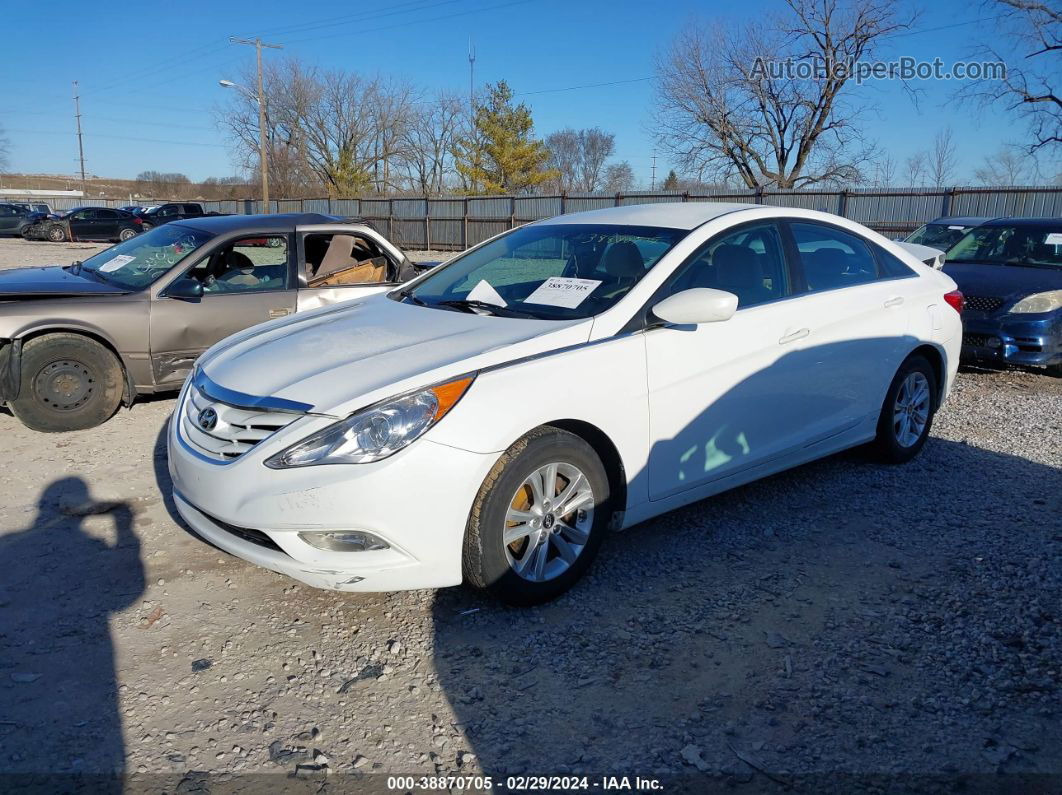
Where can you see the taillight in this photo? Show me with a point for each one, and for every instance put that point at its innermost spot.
(138, 221)
(955, 300)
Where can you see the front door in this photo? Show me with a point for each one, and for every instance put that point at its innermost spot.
(245, 282)
(724, 397)
(9, 219)
(83, 224)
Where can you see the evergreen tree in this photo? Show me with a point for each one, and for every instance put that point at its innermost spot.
(671, 183)
(501, 154)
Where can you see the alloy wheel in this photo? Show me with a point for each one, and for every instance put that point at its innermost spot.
(548, 522)
(910, 414)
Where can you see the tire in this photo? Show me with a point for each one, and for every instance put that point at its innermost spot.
(89, 373)
(1054, 370)
(492, 566)
(57, 234)
(145, 227)
(897, 442)
(126, 234)
(22, 230)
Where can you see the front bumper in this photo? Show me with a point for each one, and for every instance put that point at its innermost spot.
(418, 501)
(1034, 339)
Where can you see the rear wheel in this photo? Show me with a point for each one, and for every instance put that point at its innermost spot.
(69, 383)
(56, 234)
(126, 234)
(538, 519)
(907, 414)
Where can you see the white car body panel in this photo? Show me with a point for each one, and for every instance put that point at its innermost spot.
(689, 411)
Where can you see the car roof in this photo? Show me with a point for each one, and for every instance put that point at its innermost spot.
(1025, 221)
(671, 215)
(277, 222)
(964, 220)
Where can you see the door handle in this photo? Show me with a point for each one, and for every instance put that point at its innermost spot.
(274, 313)
(894, 301)
(793, 336)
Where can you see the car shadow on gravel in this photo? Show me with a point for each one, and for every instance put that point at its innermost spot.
(64, 576)
(840, 626)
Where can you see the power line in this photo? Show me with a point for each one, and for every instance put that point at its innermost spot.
(117, 137)
(349, 19)
(587, 85)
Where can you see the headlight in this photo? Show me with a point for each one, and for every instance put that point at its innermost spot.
(376, 432)
(1040, 302)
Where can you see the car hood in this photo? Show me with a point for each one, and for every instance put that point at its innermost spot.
(1003, 281)
(338, 359)
(50, 281)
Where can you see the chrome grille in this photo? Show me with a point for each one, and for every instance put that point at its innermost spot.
(983, 303)
(237, 429)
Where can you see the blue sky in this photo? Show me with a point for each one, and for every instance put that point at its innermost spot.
(149, 72)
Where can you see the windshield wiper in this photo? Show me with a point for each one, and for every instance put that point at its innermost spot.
(473, 306)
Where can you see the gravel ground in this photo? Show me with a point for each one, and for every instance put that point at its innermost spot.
(845, 618)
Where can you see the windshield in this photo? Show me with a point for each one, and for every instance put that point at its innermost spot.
(942, 236)
(1035, 245)
(141, 260)
(558, 272)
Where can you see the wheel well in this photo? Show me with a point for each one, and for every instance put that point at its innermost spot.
(936, 361)
(606, 451)
(129, 392)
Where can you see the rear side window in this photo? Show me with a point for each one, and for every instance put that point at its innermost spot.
(832, 258)
(891, 267)
(748, 262)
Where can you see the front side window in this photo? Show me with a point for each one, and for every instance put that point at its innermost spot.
(251, 264)
(748, 262)
(141, 260)
(1030, 245)
(832, 258)
(555, 272)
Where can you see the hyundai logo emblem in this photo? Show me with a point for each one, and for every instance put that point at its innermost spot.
(208, 419)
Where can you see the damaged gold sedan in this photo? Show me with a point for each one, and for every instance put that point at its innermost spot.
(79, 340)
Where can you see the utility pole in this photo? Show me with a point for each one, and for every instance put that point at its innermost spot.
(263, 155)
(653, 185)
(80, 145)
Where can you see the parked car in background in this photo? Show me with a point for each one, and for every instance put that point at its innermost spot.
(175, 211)
(944, 232)
(573, 375)
(927, 255)
(77, 340)
(85, 223)
(15, 218)
(1010, 270)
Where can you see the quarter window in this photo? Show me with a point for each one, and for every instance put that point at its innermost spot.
(748, 263)
(832, 258)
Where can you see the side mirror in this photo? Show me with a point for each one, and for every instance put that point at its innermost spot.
(185, 288)
(695, 306)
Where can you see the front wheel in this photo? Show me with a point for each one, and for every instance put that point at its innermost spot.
(538, 520)
(69, 383)
(907, 413)
(56, 234)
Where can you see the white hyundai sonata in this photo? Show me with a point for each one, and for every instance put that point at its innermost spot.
(491, 420)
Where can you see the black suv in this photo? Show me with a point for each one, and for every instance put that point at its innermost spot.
(14, 218)
(86, 223)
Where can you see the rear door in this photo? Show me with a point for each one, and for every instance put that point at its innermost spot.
(9, 218)
(107, 224)
(246, 281)
(82, 224)
(341, 262)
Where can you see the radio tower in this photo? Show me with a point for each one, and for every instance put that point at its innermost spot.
(653, 186)
(471, 78)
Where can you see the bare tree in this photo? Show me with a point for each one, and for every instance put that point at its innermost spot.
(884, 170)
(1006, 167)
(941, 159)
(724, 113)
(915, 168)
(565, 157)
(596, 147)
(619, 177)
(1027, 37)
(428, 141)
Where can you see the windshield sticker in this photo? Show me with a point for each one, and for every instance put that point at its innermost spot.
(485, 293)
(562, 291)
(960, 228)
(1053, 239)
(114, 263)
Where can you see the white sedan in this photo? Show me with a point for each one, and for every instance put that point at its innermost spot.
(491, 420)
